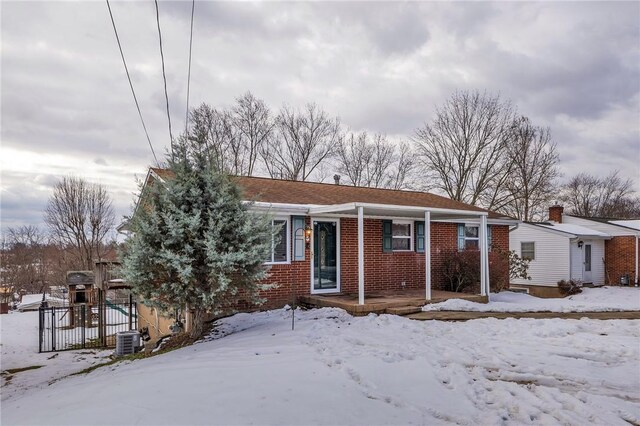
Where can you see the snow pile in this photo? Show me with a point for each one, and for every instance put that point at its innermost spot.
(604, 299)
(337, 369)
(19, 346)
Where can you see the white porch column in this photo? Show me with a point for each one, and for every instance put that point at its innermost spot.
(486, 259)
(427, 253)
(484, 282)
(361, 255)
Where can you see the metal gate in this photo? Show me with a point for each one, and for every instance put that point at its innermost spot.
(84, 326)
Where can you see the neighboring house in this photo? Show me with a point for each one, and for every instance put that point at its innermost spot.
(594, 251)
(356, 240)
(621, 251)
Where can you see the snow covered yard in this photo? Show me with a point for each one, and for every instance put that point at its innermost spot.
(19, 349)
(604, 299)
(337, 369)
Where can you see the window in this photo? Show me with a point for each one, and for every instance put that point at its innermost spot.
(402, 235)
(528, 250)
(298, 237)
(469, 237)
(279, 242)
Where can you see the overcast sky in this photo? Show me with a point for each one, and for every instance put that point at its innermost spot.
(382, 67)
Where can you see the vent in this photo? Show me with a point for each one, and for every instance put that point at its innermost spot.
(127, 342)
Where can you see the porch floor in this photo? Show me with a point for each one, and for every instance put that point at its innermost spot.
(398, 302)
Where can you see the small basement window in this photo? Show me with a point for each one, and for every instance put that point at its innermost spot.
(402, 233)
(528, 250)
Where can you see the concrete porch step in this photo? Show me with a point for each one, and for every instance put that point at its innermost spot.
(403, 310)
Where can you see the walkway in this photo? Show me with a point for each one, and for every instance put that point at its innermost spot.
(465, 316)
(398, 302)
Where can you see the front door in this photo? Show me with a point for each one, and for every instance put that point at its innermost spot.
(325, 273)
(586, 274)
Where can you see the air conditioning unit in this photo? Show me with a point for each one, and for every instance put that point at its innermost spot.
(127, 342)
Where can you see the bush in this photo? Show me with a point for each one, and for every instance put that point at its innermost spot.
(499, 271)
(568, 288)
(461, 270)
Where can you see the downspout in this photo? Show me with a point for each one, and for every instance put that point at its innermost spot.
(636, 283)
(570, 259)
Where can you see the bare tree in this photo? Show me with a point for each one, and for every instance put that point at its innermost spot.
(353, 157)
(374, 162)
(462, 149)
(302, 141)
(213, 132)
(232, 139)
(533, 161)
(80, 215)
(24, 262)
(252, 119)
(591, 196)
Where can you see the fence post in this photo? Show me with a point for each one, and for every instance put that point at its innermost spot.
(40, 328)
(100, 303)
(83, 320)
(130, 311)
(53, 329)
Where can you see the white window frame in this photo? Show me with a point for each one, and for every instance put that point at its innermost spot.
(287, 221)
(471, 225)
(410, 236)
(534, 249)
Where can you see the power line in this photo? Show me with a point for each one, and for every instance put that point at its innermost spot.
(164, 76)
(186, 120)
(135, 98)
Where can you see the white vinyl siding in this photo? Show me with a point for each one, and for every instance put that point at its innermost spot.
(551, 263)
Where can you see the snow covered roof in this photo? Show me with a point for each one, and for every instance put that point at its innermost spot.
(31, 302)
(633, 224)
(577, 230)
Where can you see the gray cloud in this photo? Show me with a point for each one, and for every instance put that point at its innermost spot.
(381, 67)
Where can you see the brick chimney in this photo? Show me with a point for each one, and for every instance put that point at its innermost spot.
(336, 179)
(555, 213)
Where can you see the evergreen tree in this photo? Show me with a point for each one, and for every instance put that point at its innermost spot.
(194, 241)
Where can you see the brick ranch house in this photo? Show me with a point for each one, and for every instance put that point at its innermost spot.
(338, 239)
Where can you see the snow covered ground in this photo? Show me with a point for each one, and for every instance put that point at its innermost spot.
(19, 349)
(602, 299)
(337, 369)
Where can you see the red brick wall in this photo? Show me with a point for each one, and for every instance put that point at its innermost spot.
(383, 271)
(292, 279)
(620, 259)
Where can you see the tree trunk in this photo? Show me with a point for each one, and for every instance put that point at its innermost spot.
(198, 322)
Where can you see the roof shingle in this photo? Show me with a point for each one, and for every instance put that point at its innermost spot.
(297, 192)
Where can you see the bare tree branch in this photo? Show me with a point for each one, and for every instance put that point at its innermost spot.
(303, 140)
(80, 215)
(463, 147)
(533, 168)
(611, 196)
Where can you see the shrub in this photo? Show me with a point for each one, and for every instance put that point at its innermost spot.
(461, 270)
(568, 288)
(499, 271)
